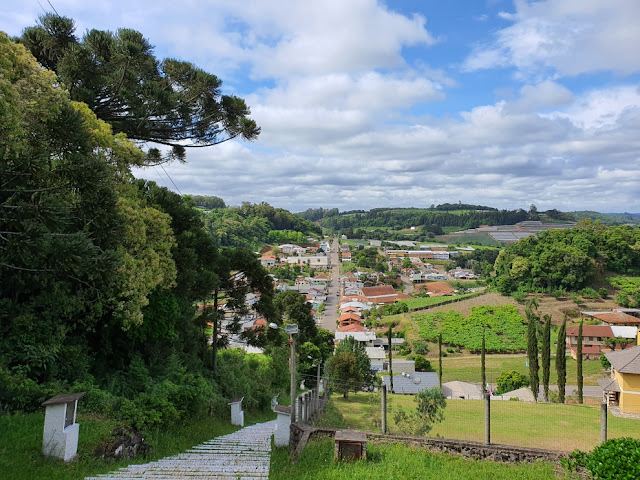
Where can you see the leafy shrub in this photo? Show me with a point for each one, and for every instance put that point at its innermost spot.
(558, 292)
(576, 299)
(420, 347)
(615, 459)
(422, 364)
(519, 296)
(449, 350)
(575, 461)
(510, 380)
(20, 393)
(603, 292)
(605, 363)
(589, 293)
(622, 299)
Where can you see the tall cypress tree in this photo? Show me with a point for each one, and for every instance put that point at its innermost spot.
(561, 359)
(483, 370)
(579, 359)
(532, 350)
(440, 359)
(390, 356)
(546, 356)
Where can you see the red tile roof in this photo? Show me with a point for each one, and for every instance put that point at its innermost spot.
(617, 318)
(378, 291)
(590, 331)
(349, 316)
(436, 288)
(354, 327)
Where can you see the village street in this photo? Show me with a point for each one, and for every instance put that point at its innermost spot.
(330, 316)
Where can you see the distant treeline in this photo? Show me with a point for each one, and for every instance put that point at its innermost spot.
(400, 218)
(252, 225)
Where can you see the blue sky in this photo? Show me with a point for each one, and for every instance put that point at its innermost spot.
(367, 104)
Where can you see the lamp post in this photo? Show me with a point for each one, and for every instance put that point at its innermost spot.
(291, 329)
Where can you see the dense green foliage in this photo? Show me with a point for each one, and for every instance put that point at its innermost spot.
(630, 290)
(400, 218)
(503, 326)
(253, 225)
(170, 102)
(615, 459)
(510, 380)
(101, 273)
(567, 259)
(350, 368)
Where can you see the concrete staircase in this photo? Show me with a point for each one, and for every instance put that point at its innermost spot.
(243, 455)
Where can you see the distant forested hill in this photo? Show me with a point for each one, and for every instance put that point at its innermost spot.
(446, 215)
(253, 225)
(608, 218)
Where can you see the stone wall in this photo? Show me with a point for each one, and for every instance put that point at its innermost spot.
(302, 434)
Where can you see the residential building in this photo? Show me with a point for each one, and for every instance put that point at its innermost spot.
(623, 387)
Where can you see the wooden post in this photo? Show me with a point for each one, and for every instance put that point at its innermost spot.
(603, 422)
(384, 408)
(487, 419)
(299, 417)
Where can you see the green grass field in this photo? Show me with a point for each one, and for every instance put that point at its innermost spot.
(467, 368)
(423, 302)
(538, 425)
(21, 445)
(386, 462)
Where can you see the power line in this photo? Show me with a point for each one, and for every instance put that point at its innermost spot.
(174, 184)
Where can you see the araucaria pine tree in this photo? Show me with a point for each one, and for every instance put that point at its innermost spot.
(579, 360)
(546, 356)
(532, 350)
(483, 370)
(561, 359)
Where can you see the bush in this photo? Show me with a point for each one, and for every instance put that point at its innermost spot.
(615, 459)
(510, 380)
(422, 364)
(589, 293)
(420, 347)
(603, 292)
(622, 299)
(605, 363)
(519, 296)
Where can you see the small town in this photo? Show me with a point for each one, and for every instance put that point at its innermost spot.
(319, 240)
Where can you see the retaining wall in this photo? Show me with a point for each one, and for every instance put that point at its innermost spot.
(302, 434)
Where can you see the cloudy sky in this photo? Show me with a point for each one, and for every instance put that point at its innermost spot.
(366, 103)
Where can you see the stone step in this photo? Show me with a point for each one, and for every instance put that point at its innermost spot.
(242, 455)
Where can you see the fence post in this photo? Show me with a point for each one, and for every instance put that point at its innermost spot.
(299, 407)
(384, 408)
(603, 422)
(487, 419)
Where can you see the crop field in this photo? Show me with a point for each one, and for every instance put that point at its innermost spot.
(537, 425)
(422, 302)
(503, 326)
(628, 285)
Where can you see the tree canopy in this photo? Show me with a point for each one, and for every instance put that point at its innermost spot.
(168, 102)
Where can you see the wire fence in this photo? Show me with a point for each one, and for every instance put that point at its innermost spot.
(544, 425)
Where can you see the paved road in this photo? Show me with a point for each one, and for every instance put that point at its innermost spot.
(330, 316)
(243, 454)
